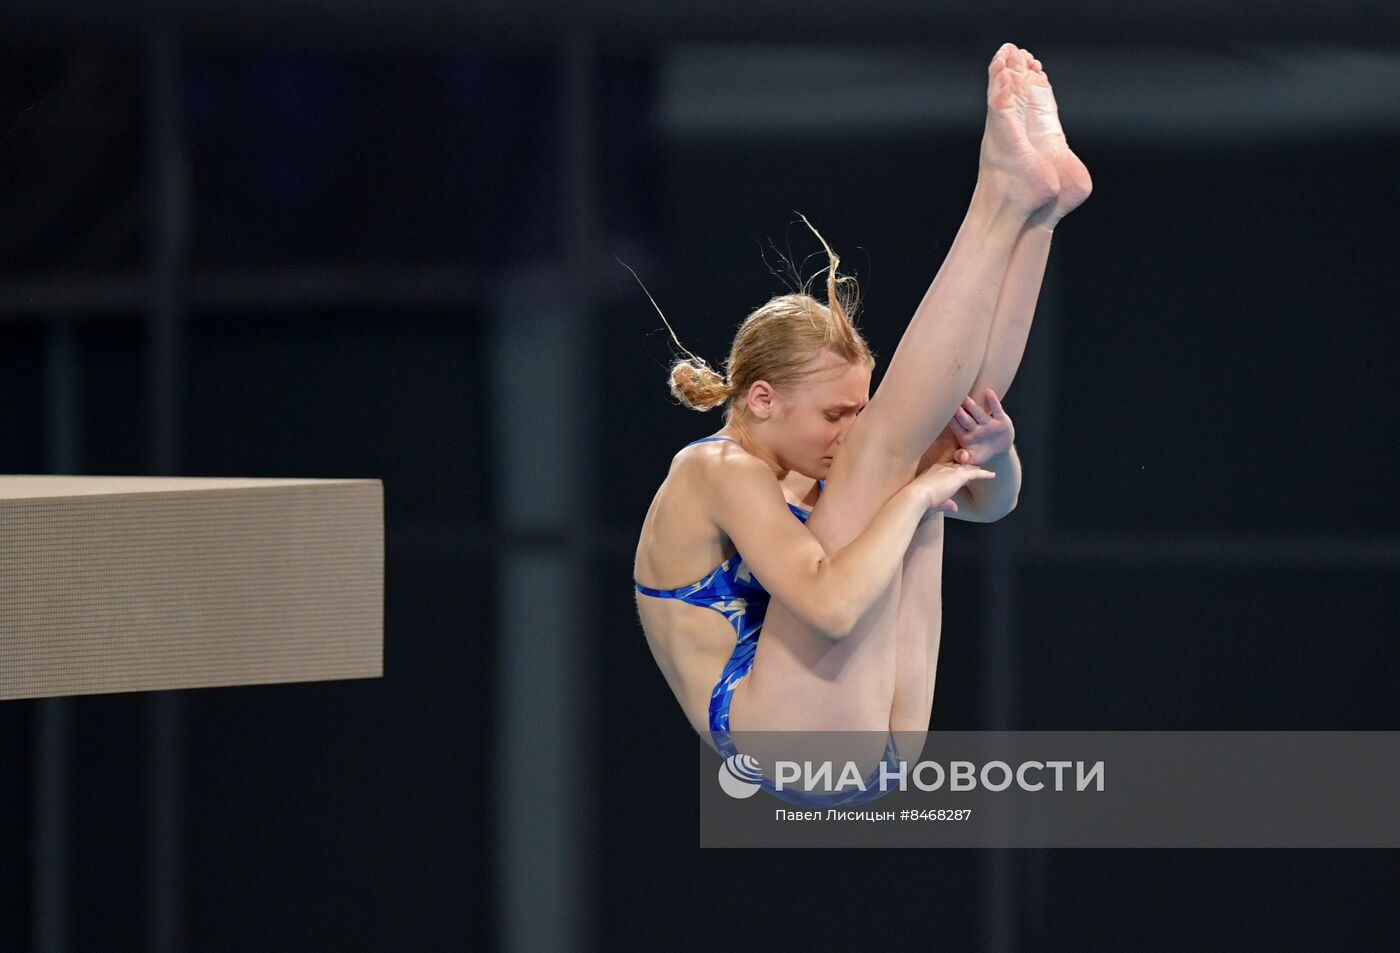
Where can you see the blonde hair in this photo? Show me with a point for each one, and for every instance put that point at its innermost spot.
(775, 342)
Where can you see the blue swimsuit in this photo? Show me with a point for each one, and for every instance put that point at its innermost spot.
(733, 591)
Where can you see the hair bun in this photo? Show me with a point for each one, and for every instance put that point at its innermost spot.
(697, 385)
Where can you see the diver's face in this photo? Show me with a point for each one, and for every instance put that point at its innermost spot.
(818, 413)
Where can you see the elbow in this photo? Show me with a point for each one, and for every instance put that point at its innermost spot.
(1000, 512)
(836, 621)
(1007, 511)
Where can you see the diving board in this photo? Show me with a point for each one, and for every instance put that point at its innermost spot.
(127, 583)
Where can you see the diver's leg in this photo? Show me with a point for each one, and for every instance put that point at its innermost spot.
(799, 680)
(918, 632)
(943, 347)
(919, 618)
(1020, 288)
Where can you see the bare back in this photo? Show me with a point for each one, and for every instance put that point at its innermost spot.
(678, 545)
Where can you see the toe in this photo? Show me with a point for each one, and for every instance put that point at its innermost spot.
(999, 91)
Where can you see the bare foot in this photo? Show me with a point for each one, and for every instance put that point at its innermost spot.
(1044, 131)
(1010, 166)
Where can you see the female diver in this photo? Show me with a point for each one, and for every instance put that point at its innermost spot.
(851, 634)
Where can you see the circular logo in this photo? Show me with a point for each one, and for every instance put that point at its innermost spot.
(739, 776)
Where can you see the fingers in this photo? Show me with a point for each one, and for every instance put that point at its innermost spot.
(978, 414)
(969, 471)
(994, 404)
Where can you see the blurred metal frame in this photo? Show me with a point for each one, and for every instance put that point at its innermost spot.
(168, 172)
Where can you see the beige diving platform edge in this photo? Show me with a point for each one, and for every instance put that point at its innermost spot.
(129, 583)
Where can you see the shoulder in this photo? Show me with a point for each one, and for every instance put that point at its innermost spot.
(716, 461)
(733, 486)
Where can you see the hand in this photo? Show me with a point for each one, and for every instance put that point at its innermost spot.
(981, 434)
(942, 480)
